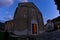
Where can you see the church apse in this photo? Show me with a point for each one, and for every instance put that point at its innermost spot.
(27, 19)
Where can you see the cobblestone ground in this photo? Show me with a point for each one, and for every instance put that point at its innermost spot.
(55, 35)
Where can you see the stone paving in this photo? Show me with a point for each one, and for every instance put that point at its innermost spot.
(55, 35)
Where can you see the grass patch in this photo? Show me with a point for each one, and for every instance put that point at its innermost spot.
(2, 36)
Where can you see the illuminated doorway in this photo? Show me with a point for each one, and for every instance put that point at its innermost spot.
(34, 29)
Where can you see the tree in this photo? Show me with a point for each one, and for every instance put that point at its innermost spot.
(57, 2)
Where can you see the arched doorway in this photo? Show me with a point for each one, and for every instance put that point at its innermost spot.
(34, 26)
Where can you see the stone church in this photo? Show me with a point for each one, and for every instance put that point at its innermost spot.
(28, 20)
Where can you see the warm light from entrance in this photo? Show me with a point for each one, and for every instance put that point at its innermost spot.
(35, 28)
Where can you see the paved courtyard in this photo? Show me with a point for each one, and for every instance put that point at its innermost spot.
(55, 35)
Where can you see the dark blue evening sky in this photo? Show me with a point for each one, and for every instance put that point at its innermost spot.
(47, 8)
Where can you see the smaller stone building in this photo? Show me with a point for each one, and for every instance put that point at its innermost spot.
(56, 22)
(9, 25)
